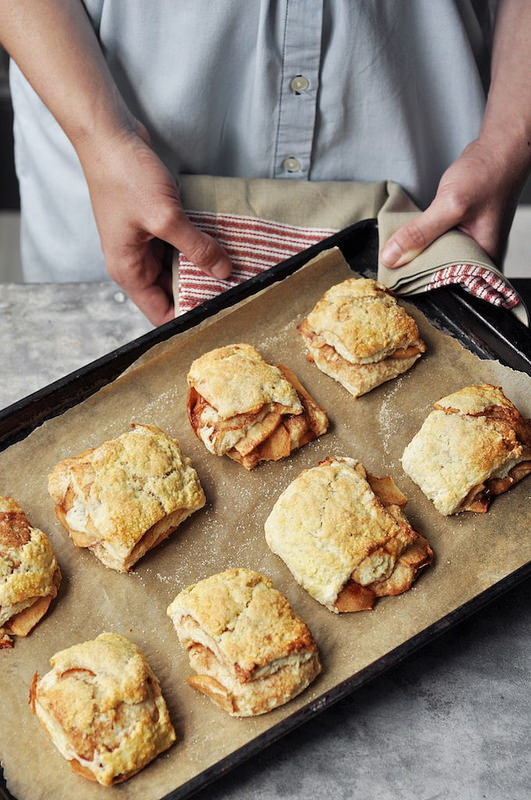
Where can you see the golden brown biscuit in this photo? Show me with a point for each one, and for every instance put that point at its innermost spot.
(472, 446)
(29, 573)
(342, 534)
(247, 409)
(102, 707)
(359, 335)
(124, 497)
(251, 652)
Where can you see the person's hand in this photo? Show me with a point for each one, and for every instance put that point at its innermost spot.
(137, 208)
(134, 198)
(477, 194)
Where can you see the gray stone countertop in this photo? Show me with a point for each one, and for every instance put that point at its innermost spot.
(451, 721)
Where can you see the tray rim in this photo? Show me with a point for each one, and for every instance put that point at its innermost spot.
(488, 331)
(346, 687)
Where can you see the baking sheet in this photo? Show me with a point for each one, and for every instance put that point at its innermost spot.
(473, 552)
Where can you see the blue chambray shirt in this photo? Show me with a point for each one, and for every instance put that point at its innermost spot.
(292, 89)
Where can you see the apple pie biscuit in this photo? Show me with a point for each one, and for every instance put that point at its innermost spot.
(241, 406)
(102, 707)
(29, 573)
(251, 652)
(472, 446)
(358, 334)
(124, 497)
(342, 533)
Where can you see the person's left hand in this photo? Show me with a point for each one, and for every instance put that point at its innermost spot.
(477, 194)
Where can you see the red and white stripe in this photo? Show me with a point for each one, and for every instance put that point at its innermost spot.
(253, 245)
(477, 280)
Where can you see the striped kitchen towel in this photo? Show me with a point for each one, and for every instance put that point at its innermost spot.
(479, 281)
(255, 245)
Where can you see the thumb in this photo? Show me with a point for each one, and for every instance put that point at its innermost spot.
(198, 247)
(408, 241)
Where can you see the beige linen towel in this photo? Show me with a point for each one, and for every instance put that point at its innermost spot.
(262, 221)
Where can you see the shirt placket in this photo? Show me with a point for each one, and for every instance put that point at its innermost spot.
(301, 54)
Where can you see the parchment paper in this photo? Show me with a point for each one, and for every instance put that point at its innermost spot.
(473, 552)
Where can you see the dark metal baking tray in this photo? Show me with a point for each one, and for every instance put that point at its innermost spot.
(488, 331)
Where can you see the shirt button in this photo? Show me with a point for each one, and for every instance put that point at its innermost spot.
(291, 164)
(299, 84)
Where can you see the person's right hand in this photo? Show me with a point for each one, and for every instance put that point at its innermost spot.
(137, 207)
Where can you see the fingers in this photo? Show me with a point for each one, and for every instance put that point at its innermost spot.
(154, 302)
(137, 263)
(411, 239)
(155, 299)
(148, 284)
(198, 247)
(136, 205)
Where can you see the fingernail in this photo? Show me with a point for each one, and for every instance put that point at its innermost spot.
(390, 254)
